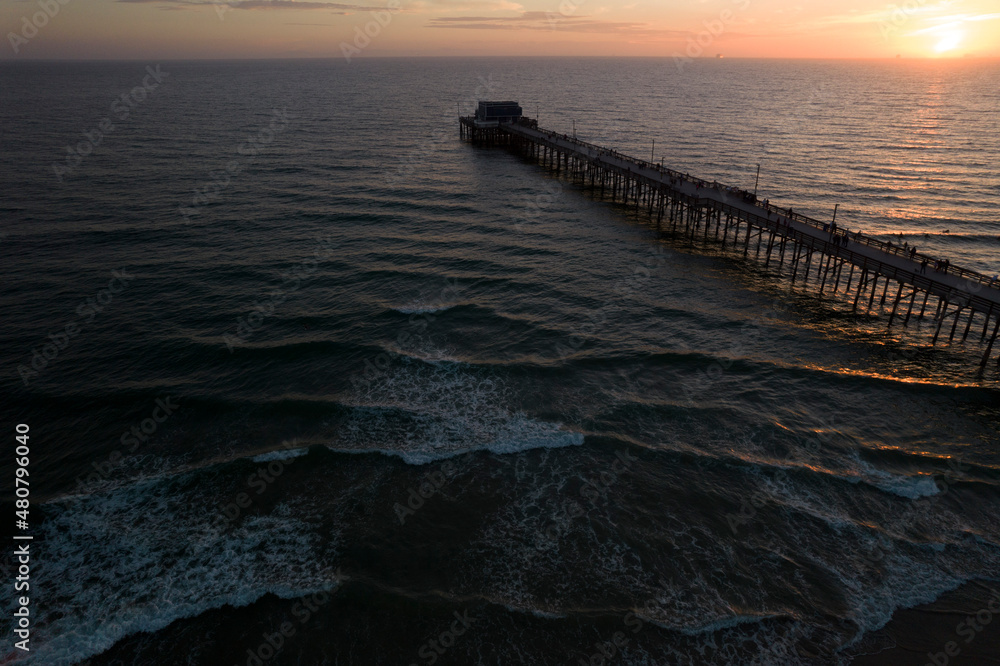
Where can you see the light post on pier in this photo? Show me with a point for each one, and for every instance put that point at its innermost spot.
(756, 182)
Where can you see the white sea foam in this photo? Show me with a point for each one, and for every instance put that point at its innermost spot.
(425, 413)
(425, 350)
(424, 309)
(849, 467)
(281, 454)
(144, 469)
(138, 558)
(910, 487)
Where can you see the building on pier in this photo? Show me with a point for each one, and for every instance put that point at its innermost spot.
(496, 113)
(794, 245)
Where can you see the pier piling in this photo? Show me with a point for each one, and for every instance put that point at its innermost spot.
(690, 207)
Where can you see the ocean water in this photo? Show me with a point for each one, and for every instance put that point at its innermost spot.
(311, 381)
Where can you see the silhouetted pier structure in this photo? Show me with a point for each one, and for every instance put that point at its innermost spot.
(797, 244)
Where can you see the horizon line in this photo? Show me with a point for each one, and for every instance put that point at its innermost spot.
(961, 58)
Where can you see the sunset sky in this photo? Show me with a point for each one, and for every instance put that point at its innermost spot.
(120, 29)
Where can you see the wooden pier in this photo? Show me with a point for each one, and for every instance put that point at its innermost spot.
(796, 245)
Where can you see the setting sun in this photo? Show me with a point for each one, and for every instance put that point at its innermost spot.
(949, 41)
(483, 332)
(184, 29)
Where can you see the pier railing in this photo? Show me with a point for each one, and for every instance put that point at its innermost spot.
(855, 237)
(859, 260)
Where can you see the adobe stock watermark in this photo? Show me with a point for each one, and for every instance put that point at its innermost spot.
(291, 282)
(87, 310)
(122, 109)
(429, 486)
(223, 8)
(535, 206)
(968, 628)
(230, 513)
(803, 454)
(272, 643)
(897, 16)
(592, 490)
(248, 152)
(139, 433)
(605, 651)
(38, 20)
(624, 287)
(443, 134)
(713, 29)
(363, 36)
(567, 9)
(432, 650)
(751, 332)
(376, 367)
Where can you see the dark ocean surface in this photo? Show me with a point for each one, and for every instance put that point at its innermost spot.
(317, 366)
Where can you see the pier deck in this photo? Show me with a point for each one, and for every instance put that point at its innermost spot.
(700, 207)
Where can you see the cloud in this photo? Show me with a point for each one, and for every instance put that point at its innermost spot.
(340, 8)
(892, 14)
(464, 5)
(536, 20)
(259, 4)
(952, 22)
